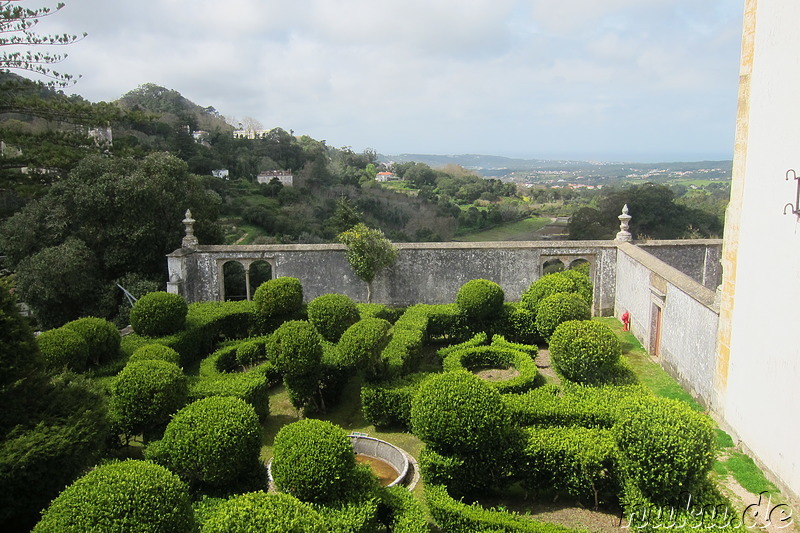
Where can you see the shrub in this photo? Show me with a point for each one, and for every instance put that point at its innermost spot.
(496, 357)
(279, 297)
(576, 461)
(100, 335)
(457, 412)
(405, 346)
(144, 394)
(457, 517)
(159, 352)
(500, 341)
(389, 403)
(159, 313)
(332, 314)
(121, 497)
(665, 448)
(559, 308)
(295, 345)
(550, 284)
(363, 342)
(518, 324)
(583, 283)
(248, 353)
(63, 348)
(258, 512)
(480, 299)
(479, 339)
(447, 321)
(213, 442)
(251, 386)
(406, 513)
(584, 350)
(313, 461)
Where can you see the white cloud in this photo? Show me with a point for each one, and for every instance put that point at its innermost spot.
(415, 75)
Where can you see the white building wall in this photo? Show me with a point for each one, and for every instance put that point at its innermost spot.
(759, 371)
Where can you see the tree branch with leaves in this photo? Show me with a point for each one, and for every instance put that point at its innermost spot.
(17, 30)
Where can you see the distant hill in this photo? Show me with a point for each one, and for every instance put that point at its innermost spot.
(173, 107)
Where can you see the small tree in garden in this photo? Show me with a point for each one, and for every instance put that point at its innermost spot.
(100, 335)
(480, 299)
(121, 497)
(159, 313)
(369, 252)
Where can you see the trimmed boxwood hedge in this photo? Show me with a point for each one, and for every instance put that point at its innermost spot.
(389, 403)
(457, 517)
(156, 352)
(159, 313)
(144, 395)
(500, 341)
(408, 337)
(212, 442)
(479, 339)
(459, 413)
(259, 512)
(480, 299)
(666, 448)
(101, 336)
(496, 357)
(123, 497)
(279, 297)
(313, 461)
(361, 345)
(406, 513)
(584, 350)
(63, 348)
(577, 461)
(559, 308)
(550, 284)
(332, 314)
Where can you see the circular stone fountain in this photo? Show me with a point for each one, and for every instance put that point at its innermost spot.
(390, 464)
(387, 461)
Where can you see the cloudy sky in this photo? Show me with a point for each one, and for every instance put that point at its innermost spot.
(636, 80)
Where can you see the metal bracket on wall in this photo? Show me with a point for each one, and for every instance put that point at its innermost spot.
(796, 206)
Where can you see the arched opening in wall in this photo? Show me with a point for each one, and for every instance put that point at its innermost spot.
(234, 281)
(581, 265)
(552, 265)
(260, 271)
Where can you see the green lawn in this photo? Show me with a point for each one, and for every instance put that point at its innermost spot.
(522, 230)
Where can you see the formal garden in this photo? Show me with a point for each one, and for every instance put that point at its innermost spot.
(171, 428)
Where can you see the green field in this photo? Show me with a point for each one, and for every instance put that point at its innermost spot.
(522, 230)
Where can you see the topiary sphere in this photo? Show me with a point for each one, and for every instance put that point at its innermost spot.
(100, 335)
(332, 314)
(247, 353)
(548, 285)
(559, 308)
(128, 496)
(314, 461)
(584, 350)
(63, 348)
(145, 394)
(279, 297)
(264, 513)
(159, 352)
(295, 347)
(480, 299)
(459, 413)
(159, 313)
(363, 342)
(215, 441)
(665, 447)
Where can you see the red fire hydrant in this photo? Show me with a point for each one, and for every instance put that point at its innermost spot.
(626, 321)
